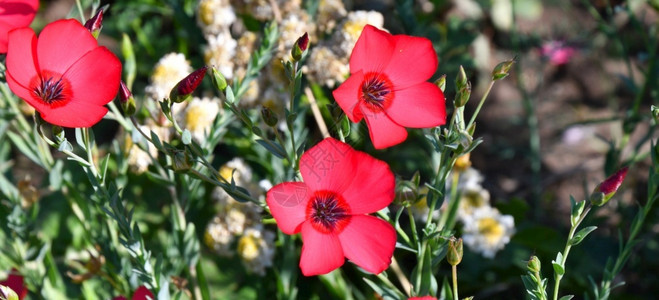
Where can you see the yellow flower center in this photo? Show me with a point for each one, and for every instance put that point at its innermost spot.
(225, 172)
(491, 230)
(206, 12)
(195, 120)
(248, 247)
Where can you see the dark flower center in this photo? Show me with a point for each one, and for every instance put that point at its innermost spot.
(50, 90)
(328, 212)
(377, 91)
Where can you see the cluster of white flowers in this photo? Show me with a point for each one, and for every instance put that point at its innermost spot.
(199, 115)
(485, 229)
(328, 61)
(169, 70)
(236, 229)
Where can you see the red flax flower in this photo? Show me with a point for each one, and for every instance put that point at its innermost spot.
(142, 293)
(15, 14)
(341, 187)
(63, 74)
(15, 283)
(387, 86)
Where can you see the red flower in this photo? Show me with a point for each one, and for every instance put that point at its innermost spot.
(63, 74)
(15, 14)
(140, 294)
(341, 186)
(387, 86)
(15, 283)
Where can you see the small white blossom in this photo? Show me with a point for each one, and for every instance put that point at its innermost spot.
(215, 16)
(199, 115)
(220, 51)
(256, 250)
(169, 70)
(487, 231)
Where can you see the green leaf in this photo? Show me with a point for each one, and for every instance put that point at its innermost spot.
(558, 264)
(274, 148)
(23, 147)
(79, 139)
(229, 94)
(566, 297)
(186, 137)
(65, 146)
(579, 236)
(55, 176)
(104, 166)
(156, 141)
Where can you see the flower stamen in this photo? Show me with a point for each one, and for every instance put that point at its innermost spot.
(376, 91)
(328, 212)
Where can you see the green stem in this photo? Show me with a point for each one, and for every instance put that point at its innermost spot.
(82, 14)
(454, 272)
(118, 116)
(568, 246)
(480, 104)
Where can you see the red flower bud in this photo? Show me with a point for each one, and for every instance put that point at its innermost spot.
(95, 23)
(124, 92)
(126, 99)
(300, 46)
(605, 190)
(611, 184)
(189, 84)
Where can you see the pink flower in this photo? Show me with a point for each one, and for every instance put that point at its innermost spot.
(330, 208)
(388, 87)
(64, 74)
(557, 52)
(15, 14)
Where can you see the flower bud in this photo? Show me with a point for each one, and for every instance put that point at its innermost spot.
(300, 47)
(461, 80)
(126, 99)
(454, 254)
(441, 82)
(269, 117)
(463, 95)
(182, 161)
(13, 288)
(184, 88)
(605, 190)
(7, 293)
(95, 23)
(533, 264)
(502, 70)
(218, 79)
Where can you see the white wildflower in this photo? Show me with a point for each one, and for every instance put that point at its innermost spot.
(220, 51)
(199, 115)
(487, 231)
(169, 70)
(256, 250)
(215, 16)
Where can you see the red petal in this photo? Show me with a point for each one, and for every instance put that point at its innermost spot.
(413, 60)
(368, 242)
(288, 203)
(372, 52)
(419, 106)
(4, 32)
(346, 95)
(75, 114)
(372, 187)
(95, 77)
(141, 294)
(16, 284)
(26, 95)
(327, 166)
(21, 64)
(321, 253)
(384, 132)
(18, 13)
(62, 43)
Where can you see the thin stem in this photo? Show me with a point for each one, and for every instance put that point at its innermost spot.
(89, 150)
(118, 116)
(568, 246)
(454, 272)
(82, 14)
(480, 104)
